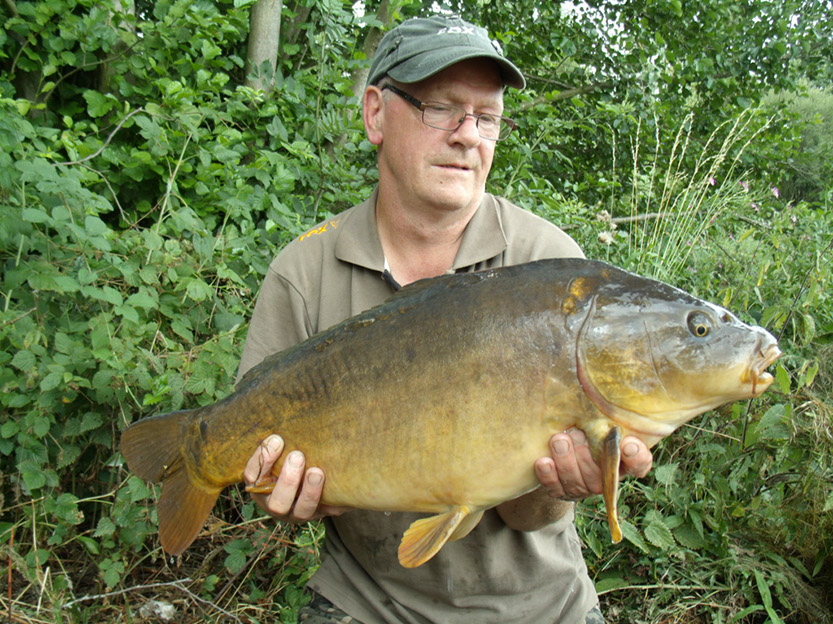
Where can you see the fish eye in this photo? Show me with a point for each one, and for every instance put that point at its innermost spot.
(699, 324)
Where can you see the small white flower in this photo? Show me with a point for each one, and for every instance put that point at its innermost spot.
(606, 237)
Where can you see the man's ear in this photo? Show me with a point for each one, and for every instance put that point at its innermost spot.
(373, 113)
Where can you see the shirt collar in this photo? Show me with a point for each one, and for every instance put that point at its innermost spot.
(358, 237)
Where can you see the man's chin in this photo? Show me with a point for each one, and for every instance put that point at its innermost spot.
(455, 197)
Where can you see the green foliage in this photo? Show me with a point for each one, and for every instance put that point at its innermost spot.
(144, 190)
(808, 170)
(733, 513)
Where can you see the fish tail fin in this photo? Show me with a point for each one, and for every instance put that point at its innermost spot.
(151, 445)
(425, 537)
(609, 462)
(152, 448)
(183, 509)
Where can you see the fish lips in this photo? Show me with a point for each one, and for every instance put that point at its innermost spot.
(757, 374)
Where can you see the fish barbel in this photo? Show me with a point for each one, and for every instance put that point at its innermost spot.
(449, 392)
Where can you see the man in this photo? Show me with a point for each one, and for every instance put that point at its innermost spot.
(433, 106)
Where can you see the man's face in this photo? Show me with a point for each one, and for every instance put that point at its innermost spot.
(442, 169)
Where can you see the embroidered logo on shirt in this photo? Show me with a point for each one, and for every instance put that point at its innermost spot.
(320, 229)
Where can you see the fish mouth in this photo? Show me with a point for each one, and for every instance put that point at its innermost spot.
(756, 374)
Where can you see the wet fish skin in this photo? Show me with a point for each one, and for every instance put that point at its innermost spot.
(448, 393)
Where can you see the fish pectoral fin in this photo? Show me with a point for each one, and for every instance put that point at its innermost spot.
(609, 462)
(425, 537)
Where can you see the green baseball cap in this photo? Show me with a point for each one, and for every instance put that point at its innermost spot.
(422, 46)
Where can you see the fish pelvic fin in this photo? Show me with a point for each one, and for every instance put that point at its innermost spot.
(466, 525)
(609, 461)
(152, 448)
(425, 537)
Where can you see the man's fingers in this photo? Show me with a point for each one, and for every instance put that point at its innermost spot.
(591, 474)
(261, 462)
(280, 501)
(295, 494)
(572, 473)
(307, 503)
(636, 457)
(561, 474)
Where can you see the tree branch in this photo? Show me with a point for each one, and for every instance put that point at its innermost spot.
(568, 93)
(103, 145)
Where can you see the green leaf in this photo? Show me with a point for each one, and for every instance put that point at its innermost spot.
(181, 328)
(665, 474)
(106, 293)
(52, 381)
(609, 584)
(197, 289)
(137, 489)
(89, 543)
(659, 535)
(90, 421)
(67, 284)
(239, 551)
(773, 424)
(9, 429)
(142, 299)
(766, 597)
(128, 313)
(33, 476)
(35, 215)
(66, 508)
(688, 536)
(95, 226)
(111, 571)
(782, 379)
(631, 533)
(104, 528)
(24, 360)
(40, 425)
(98, 104)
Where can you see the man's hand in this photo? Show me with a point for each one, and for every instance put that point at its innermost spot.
(296, 494)
(572, 474)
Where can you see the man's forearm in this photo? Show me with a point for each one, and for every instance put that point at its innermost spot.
(533, 511)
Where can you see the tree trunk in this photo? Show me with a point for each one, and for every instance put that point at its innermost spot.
(385, 14)
(264, 39)
(293, 29)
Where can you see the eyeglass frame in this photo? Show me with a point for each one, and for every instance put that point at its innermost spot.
(421, 106)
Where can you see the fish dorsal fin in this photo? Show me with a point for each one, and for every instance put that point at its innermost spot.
(425, 537)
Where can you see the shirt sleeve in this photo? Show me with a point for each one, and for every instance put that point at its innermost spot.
(280, 320)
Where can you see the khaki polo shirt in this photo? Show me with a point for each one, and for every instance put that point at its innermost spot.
(493, 575)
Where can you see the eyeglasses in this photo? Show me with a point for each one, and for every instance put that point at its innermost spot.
(449, 118)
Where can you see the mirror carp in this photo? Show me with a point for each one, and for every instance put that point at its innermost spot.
(447, 394)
